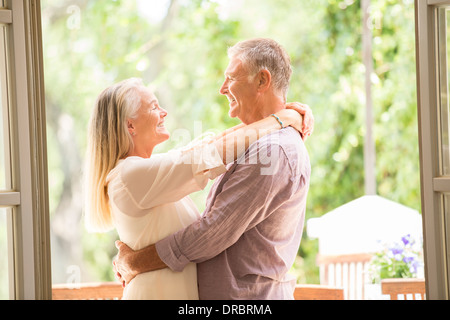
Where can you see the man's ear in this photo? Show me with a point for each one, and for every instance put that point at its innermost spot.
(265, 80)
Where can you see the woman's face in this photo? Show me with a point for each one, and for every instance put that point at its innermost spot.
(148, 128)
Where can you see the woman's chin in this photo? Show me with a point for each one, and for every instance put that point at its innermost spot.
(164, 135)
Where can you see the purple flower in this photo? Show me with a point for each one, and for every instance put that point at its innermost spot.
(396, 251)
(402, 256)
(414, 266)
(409, 258)
(406, 239)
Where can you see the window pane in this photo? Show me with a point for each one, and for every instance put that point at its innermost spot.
(4, 145)
(447, 225)
(4, 255)
(443, 88)
(4, 136)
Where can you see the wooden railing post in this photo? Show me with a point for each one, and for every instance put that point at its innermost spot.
(88, 291)
(403, 287)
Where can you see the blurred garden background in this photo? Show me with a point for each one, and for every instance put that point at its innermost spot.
(179, 48)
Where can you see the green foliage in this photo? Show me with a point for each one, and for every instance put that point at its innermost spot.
(183, 56)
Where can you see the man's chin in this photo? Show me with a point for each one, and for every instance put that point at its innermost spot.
(232, 113)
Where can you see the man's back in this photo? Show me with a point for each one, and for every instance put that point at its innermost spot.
(255, 215)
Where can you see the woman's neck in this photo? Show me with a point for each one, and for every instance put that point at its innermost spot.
(140, 152)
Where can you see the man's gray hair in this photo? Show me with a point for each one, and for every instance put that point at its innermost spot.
(263, 53)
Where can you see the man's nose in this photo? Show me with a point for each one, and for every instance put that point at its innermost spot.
(224, 87)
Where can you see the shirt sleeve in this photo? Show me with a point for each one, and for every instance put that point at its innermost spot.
(251, 193)
(171, 176)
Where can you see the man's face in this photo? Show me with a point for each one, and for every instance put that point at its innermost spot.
(240, 91)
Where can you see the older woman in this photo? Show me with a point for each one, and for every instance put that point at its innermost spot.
(145, 195)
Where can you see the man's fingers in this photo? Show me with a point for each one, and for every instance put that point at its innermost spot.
(121, 263)
(116, 271)
(299, 107)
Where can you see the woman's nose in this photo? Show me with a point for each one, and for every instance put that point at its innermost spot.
(163, 112)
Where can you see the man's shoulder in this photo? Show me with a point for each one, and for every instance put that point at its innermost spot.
(277, 150)
(287, 139)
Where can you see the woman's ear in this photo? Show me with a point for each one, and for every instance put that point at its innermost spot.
(131, 128)
(265, 80)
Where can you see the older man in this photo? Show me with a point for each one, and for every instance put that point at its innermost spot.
(248, 237)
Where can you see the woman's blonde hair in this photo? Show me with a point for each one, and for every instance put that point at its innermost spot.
(108, 141)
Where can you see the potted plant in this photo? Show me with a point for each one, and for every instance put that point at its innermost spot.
(401, 259)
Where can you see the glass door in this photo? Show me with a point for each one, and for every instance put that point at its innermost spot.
(443, 47)
(24, 236)
(6, 239)
(432, 54)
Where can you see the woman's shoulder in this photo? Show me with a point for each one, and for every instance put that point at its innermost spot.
(122, 164)
(115, 171)
(135, 167)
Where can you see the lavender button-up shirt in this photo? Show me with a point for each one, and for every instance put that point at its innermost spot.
(250, 232)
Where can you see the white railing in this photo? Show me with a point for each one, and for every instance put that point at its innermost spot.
(345, 271)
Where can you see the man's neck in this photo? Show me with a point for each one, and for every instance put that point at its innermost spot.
(266, 107)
